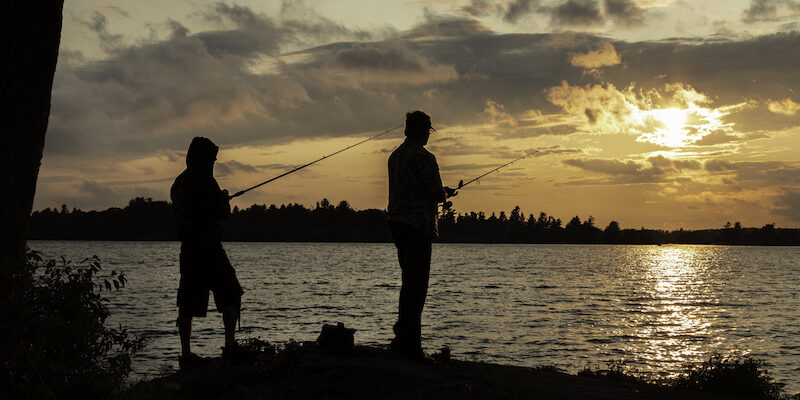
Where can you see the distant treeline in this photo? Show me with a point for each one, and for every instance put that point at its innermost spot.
(145, 219)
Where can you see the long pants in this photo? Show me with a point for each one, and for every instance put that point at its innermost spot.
(414, 254)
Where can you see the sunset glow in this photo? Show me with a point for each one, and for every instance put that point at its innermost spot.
(676, 127)
(656, 131)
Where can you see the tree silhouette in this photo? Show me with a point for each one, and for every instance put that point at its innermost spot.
(145, 219)
(29, 50)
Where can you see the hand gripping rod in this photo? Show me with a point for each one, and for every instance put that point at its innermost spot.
(241, 192)
(447, 204)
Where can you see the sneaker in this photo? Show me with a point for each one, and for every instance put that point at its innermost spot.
(236, 352)
(191, 361)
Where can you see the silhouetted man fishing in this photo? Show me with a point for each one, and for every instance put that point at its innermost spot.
(198, 206)
(415, 190)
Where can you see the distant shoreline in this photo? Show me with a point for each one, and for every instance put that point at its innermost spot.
(435, 242)
(148, 220)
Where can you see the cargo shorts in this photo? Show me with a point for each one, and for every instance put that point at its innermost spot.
(205, 267)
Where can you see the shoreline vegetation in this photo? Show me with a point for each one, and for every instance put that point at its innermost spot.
(304, 371)
(145, 219)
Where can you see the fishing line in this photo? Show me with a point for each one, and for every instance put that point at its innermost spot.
(461, 184)
(241, 192)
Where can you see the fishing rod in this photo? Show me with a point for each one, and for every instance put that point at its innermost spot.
(461, 184)
(241, 192)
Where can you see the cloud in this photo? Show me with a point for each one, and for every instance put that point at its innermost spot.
(674, 115)
(98, 193)
(99, 26)
(89, 194)
(718, 166)
(601, 105)
(577, 12)
(519, 8)
(445, 26)
(756, 174)
(232, 166)
(497, 116)
(768, 10)
(656, 169)
(603, 56)
(622, 172)
(252, 81)
(625, 12)
(786, 106)
(356, 64)
(480, 8)
(788, 204)
(716, 138)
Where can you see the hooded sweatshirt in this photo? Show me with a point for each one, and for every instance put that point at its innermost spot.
(198, 204)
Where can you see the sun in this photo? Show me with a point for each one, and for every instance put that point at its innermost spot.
(678, 127)
(673, 133)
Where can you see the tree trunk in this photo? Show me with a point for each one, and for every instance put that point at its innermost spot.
(29, 50)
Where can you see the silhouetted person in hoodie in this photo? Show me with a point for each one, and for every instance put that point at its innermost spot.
(415, 190)
(199, 206)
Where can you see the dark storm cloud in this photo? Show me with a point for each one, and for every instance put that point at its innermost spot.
(769, 10)
(570, 13)
(444, 26)
(625, 12)
(577, 12)
(519, 8)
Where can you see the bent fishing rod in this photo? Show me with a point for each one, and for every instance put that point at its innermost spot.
(461, 184)
(241, 192)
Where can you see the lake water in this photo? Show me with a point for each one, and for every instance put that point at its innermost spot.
(655, 307)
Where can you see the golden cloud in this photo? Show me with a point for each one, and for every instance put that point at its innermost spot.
(674, 116)
(603, 56)
(498, 116)
(785, 106)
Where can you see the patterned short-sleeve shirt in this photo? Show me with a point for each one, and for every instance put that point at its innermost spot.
(415, 188)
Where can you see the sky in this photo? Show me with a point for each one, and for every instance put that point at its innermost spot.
(654, 113)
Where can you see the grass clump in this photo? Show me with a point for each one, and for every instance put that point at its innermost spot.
(615, 371)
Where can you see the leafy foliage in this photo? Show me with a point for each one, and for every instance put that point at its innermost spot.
(54, 340)
(739, 376)
(735, 375)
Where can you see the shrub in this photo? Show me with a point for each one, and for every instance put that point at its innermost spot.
(737, 374)
(54, 340)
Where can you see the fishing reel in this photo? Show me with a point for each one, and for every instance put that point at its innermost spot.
(447, 204)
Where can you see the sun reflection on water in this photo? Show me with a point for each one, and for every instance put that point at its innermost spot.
(673, 326)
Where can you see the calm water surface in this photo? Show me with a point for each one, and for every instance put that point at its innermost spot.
(655, 307)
